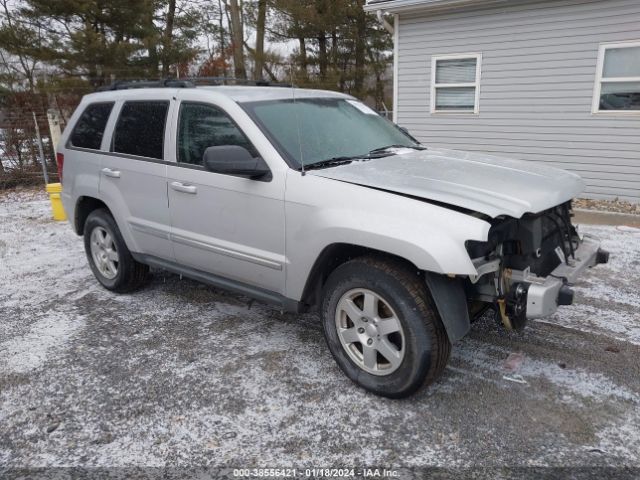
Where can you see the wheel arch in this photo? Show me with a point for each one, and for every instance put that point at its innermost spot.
(447, 292)
(84, 206)
(331, 257)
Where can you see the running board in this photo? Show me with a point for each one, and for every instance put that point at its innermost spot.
(257, 293)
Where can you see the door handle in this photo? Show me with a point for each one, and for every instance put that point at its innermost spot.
(181, 187)
(111, 173)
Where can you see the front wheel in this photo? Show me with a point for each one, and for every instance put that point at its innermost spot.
(382, 328)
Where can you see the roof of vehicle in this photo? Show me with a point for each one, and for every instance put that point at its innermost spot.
(253, 94)
(240, 94)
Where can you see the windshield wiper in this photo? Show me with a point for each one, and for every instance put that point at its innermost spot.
(332, 162)
(382, 149)
(344, 160)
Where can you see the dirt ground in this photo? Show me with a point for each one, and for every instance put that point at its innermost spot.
(180, 374)
(618, 206)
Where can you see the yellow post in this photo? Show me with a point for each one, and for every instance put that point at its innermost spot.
(54, 190)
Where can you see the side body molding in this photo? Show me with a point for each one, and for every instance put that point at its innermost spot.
(451, 302)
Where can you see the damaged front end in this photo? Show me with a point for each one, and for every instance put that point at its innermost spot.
(528, 265)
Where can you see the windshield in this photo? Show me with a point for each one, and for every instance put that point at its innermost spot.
(309, 131)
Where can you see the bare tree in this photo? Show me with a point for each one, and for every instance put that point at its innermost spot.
(237, 35)
(167, 36)
(21, 42)
(260, 30)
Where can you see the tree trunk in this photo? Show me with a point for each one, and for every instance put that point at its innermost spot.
(260, 27)
(167, 37)
(303, 56)
(223, 48)
(322, 55)
(238, 36)
(360, 41)
(266, 68)
(151, 43)
(334, 47)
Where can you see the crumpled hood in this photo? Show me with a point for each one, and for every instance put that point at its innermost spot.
(490, 185)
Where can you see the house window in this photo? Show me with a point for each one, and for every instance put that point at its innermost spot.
(618, 78)
(455, 83)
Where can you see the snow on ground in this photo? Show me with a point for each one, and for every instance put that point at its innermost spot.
(608, 300)
(180, 374)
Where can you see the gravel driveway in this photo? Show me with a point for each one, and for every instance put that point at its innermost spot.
(180, 374)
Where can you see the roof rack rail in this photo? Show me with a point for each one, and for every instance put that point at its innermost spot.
(166, 83)
(216, 81)
(189, 82)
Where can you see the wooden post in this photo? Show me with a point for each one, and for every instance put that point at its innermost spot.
(41, 150)
(54, 128)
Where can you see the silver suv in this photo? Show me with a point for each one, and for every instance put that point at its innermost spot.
(308, 199)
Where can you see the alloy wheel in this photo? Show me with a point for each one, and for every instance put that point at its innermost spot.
(370, 331)
(104, 253)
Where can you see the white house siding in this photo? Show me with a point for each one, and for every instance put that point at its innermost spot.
(536, 90)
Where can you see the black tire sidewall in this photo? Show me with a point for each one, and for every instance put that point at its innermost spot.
(416, 364)
(102, 218)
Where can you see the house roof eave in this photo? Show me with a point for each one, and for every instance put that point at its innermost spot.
(397, 6)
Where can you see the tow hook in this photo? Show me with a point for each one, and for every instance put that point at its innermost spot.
(513, 308)
(602, 256)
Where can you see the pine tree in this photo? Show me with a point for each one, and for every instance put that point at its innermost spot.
(340, 46)
(113, 39)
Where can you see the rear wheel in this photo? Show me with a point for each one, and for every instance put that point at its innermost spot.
(108, 255)
(382, 328)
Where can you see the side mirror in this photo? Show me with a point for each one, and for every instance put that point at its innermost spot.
(234, 160)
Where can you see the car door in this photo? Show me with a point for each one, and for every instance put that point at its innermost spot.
(133, 179)
(225, 225)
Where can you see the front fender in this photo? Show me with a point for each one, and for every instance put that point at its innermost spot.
(321, 212)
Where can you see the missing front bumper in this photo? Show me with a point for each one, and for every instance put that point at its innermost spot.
(545, 294)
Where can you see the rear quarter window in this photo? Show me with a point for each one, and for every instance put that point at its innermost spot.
(140, 129)
(89, 129)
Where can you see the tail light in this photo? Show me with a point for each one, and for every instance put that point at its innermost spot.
(60, 162)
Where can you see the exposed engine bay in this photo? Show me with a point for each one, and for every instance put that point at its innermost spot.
(527, 266)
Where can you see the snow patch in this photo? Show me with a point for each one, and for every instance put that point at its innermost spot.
(28, 352)
(622, 439)
(581, 383)
(621, 326)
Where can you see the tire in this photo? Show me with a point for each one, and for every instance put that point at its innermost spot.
(420, 347)
(128, 274)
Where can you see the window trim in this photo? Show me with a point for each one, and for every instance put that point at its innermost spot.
(476, 84)
(597, 90)
(178, 163)
(69, 144)
(112, 140)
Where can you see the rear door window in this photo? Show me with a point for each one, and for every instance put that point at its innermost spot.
(140, 129)
(89, 129)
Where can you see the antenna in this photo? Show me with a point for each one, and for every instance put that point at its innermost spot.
(295, 110)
